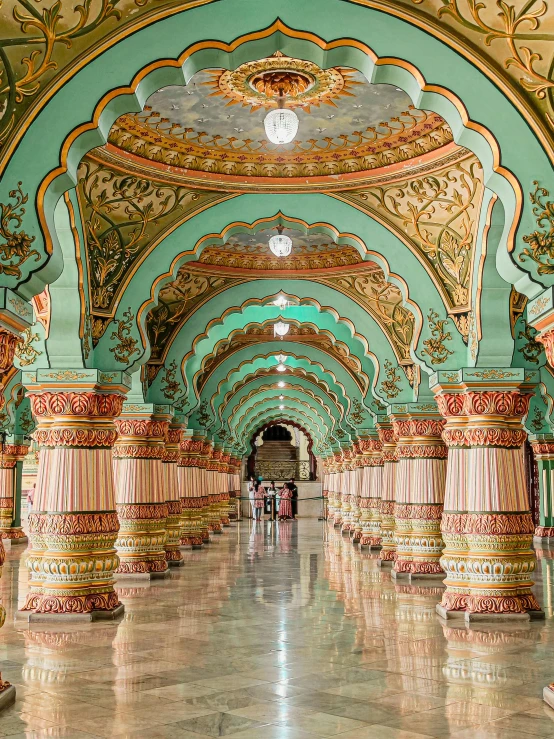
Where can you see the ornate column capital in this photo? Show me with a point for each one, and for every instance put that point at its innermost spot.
(418, 428)
(484, 407)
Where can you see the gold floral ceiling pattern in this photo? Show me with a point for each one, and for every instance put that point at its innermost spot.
(214, 125)
(437, 214)
(247, 251)
(512, 44)
(124, 216)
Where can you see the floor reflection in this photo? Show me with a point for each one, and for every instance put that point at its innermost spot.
(277, 630)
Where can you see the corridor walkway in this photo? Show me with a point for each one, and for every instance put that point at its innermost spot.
(276, 633)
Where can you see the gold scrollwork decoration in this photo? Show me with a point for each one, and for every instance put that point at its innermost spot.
(532, 349)
(172, 386)
(48, 36)
(390, 385)
(16, 247)
(435, 349)
(127, 344)
(358, 414)
(24, 351)
(541, 243)
(517, 28)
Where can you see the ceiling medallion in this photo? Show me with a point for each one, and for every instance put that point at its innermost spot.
(260, 83)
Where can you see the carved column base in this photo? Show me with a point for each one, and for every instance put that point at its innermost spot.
(15, 534)
(418, 539)
(544, 532)
(141, 539)
(173, 555)
(72, 573)
(548, 695)
(489, 563)
(7, 694)
(388, 546)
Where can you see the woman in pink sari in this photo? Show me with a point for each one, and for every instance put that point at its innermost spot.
(285, 506)
(259, 495)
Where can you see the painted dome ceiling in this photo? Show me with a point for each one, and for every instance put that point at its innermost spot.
(248, 251)
(211, 131)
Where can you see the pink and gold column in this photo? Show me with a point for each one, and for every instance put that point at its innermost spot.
(10, 455)
(419, 497)
(388, 441)
(140, 495)
(486, 526)
(224, 483)
(188, 475)
(74, 525)
(174, 523)
(372, 484)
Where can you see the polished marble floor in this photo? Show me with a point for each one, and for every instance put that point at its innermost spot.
(277, 632)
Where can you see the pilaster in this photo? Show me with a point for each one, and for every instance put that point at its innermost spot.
(486, 526)
(140, 495)
(74, 525)
(419, 490)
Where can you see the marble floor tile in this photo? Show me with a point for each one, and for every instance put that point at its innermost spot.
(218, 724)
(308, 639)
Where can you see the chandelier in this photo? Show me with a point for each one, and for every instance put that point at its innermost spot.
(281, 329)
(281, 368)
(281, 397)
(281, 407)
(280, 301)
(281, 358)
(280, 383)
(281, 246)
(281, 124)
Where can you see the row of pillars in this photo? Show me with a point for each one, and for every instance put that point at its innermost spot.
(440, 489)
(119, 490)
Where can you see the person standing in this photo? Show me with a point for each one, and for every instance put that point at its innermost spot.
(285, 508)
(294, 492)
(252, 485)
(259, 495)
(270, 498)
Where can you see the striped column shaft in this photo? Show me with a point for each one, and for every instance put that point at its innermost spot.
(173, 553)
(73, 527)
(356, 493)
(487, 526)
(140, 494)
(372, 483)
(388, 440)
(419, 491)
(224, 486)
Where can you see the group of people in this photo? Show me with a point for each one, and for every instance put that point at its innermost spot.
(261, 498)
